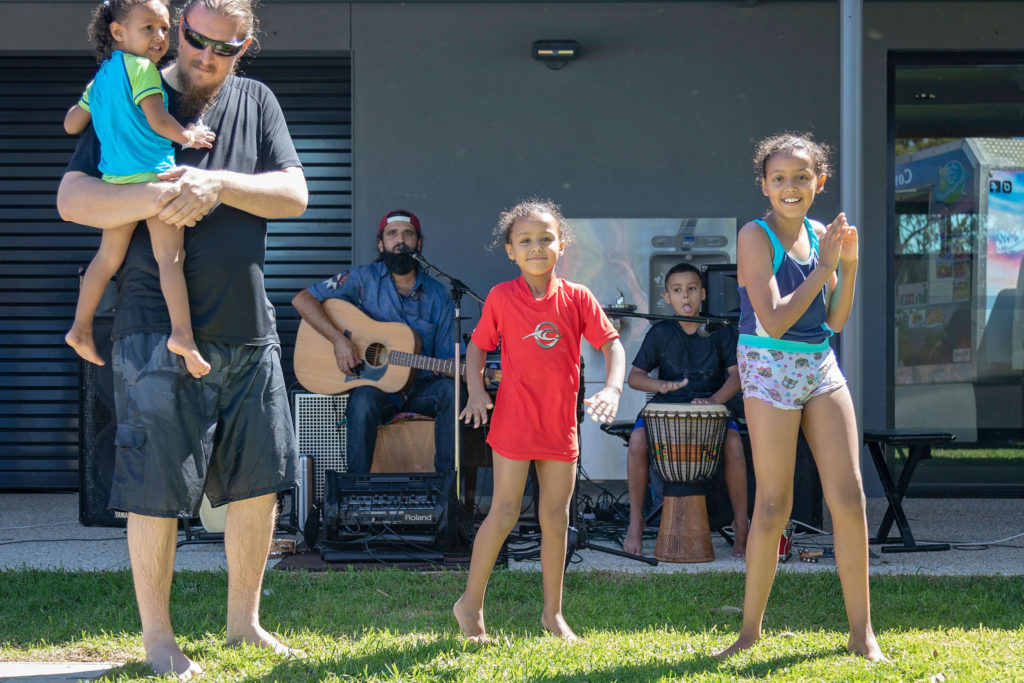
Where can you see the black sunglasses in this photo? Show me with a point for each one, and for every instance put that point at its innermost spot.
(200, 42)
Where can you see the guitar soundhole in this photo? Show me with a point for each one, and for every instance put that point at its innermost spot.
(376, 355)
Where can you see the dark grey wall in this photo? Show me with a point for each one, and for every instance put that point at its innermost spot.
(452, 119)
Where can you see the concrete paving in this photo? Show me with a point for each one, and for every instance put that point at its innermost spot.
(41, 531)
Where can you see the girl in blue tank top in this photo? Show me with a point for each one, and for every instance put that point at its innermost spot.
(796, 280)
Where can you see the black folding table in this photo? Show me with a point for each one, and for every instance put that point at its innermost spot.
(918, 445)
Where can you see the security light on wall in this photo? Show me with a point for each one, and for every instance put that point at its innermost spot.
(555, 53)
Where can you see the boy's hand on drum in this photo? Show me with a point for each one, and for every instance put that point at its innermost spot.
(667, 387)
(477, 405)
(701, 401)
(602, 406)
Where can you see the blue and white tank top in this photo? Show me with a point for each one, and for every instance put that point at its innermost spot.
(810, 332)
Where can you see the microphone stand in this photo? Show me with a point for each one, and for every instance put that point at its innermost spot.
(457, 288)
(707, 325)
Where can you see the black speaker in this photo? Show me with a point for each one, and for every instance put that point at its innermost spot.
(97, 426)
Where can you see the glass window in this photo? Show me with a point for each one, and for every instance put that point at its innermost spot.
(958, 266)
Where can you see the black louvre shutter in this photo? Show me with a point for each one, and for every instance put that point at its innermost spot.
(41, 254)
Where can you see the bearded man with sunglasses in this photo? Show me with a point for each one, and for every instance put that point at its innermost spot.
(228, 433)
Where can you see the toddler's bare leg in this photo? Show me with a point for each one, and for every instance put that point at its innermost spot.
(109, 257)
(169, 251)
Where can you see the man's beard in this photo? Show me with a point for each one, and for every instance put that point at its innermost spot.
(399, 264)
(194, 100)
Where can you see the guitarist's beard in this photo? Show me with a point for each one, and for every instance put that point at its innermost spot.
(399, 264)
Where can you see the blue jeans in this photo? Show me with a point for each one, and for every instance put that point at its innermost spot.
(369, 407)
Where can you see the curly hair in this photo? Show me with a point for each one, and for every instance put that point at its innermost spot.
(242, 10)
(103, 15)
(530, 208)
(790, 142)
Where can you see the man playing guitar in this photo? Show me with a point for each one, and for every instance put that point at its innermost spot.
(390, 290)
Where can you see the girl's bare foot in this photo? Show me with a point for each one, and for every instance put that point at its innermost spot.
(165, 658)
(739, 540)
(79, 337)
(186, 348)
(471, 622)
(260, 638)
(868, 649)
(633, 543)
(557, 626)
(742, 643)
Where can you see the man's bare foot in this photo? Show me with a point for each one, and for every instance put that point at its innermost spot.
(165, 658)
(260, 638)
(739, 538)
(742, 643)
(79, 337)
(186, 348)
(471, 622)
(633, 543)
(557, 626)
(868, 649)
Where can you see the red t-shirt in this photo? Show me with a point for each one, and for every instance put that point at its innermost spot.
(535, 409)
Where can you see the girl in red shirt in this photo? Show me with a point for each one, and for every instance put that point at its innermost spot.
(539, 320)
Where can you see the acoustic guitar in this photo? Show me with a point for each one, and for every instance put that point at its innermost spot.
(389, 353)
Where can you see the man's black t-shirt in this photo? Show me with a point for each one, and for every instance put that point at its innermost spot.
(225, 252)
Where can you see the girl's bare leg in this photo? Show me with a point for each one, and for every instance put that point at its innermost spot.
(773, 435)
(637, 479)
(736, 486)
(830, 426)
(506, 503)
(109, 257)
(556, 481)
(169, 251)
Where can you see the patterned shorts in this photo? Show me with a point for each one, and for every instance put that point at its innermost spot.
(787, 379)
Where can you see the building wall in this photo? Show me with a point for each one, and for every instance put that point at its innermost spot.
(454, 121)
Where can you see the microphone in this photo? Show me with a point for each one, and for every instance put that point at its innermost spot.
(706, 328)
(406, 249)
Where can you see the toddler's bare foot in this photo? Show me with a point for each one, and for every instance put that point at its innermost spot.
(868, 649)
(471, 622)
(260, 638)
(557, 626)
(742, 643)
(165, 658)
(79, 337)
(187, 349)
(633, 543)
(739, 541)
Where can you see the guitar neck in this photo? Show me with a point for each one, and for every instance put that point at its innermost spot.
(444, 367)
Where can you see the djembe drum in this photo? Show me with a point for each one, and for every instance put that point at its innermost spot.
(684, 442)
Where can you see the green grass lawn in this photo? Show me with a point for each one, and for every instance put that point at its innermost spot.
(394, 625)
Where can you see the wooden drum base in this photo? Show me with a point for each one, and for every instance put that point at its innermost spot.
(684, 535)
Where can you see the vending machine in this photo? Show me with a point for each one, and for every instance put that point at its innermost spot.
(623, 261)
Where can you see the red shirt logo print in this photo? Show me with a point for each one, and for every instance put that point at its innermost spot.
(545, 334)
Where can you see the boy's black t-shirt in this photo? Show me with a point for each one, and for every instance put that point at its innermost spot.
(225, 252)
(677, 355)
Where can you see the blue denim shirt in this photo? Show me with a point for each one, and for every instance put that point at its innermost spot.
(428, 308)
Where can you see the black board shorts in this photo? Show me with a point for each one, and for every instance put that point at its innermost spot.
(228, 434)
